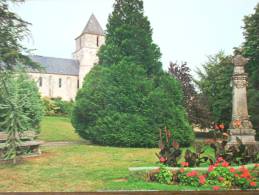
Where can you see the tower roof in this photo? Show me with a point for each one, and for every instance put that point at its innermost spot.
(93, 27)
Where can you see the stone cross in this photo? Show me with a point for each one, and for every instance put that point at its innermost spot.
(240, 125)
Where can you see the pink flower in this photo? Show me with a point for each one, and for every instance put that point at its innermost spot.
(216, 188)
(252, 183)
(225, 164)
(185, 164)
(221, 178)
(256, 165)
(211, 168)
(202, 179)
(162, 159)
(232, 170)
(220, 159)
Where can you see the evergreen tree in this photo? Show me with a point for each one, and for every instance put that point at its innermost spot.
(12, 116)
(251, 50)
(127, 97)
(129, 35)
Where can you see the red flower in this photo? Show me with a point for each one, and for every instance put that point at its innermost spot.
(211, 168)
(182, 170)
(246, 174)
(221, 126)
(225, 164)
(192, 174)
(232, 170)
(242, 168)
(202, 179)
(221, 178)
(220, 159)
(236, 175)
(185, 164)
(252, 183)
(216, 188)
(162, 159)
(256, 165)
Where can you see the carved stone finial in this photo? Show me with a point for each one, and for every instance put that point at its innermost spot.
(239, 60)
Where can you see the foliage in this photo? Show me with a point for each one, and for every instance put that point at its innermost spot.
(194, 103)
(191, 178)
(251, 50)
(164, 175)
(214, 84)
(194, 159)
(129, 35)
(26, 90)
(236, 154)
(169, 149)
(56, 106)
(126, 98)
(12, 31)
(13, 119)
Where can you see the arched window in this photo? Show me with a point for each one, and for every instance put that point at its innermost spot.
(40, 81)
(97, 41)
(60, 82)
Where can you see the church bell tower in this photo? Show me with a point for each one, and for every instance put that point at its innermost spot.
(87, 46)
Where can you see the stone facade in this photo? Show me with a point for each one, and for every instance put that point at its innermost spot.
(63, 77)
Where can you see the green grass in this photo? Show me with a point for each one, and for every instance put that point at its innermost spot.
(57, 129)
(79, 167)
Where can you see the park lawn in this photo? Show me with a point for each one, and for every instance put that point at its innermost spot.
(79, 167)
(57, 129)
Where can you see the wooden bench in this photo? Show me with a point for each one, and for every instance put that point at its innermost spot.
(28, 144)
(24, 136)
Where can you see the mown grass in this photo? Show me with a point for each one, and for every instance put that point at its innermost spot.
(57, 129)
(79, 167)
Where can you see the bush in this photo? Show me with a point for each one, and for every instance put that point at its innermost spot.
(120, 106)
(56, 106)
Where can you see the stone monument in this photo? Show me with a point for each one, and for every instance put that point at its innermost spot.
(240, 125)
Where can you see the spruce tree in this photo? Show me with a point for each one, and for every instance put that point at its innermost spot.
(127, 97)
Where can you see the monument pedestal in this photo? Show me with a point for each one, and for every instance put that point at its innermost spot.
(240, 125)
(247, 136)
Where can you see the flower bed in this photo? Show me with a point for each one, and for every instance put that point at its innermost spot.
(217, 176)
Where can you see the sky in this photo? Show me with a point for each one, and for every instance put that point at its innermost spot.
(185, 30)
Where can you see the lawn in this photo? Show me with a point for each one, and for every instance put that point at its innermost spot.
(79, 167)
(57, 129)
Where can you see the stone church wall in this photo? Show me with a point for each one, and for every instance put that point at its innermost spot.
(55, 85)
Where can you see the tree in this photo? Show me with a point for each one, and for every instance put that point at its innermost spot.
(214, 83)
(129, 35)
(251, 50)
(127, 97)
(194, 103)
(12, 57)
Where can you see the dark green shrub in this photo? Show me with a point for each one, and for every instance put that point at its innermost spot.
(120, 106)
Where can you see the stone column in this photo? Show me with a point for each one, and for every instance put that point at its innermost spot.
(240, 125)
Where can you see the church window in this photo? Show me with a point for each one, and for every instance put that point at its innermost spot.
(97, 41)
(60, 82)
(40, 82)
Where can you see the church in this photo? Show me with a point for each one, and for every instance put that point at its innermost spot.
(63, 77)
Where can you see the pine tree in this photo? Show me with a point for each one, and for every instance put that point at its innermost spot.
(127, 97)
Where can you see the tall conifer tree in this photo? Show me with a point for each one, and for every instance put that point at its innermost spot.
(127, 97)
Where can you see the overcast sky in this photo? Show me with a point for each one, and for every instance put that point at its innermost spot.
(185, 30)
